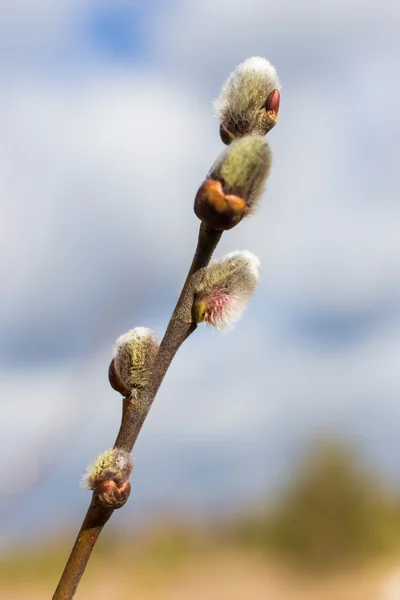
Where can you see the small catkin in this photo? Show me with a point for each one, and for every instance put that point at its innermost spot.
(225, 289)
(112, 465)
(134, 355)
(244, 168)
(249, 100)
(234, 184)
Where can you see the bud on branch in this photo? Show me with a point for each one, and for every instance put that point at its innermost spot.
(249, 100)
(108, 477)
(227, 285)
(216, 294)
(134, 355)
(234, 184)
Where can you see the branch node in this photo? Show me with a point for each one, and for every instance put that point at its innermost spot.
(107, 496)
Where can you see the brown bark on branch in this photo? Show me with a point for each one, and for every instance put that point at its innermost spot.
(135, 410)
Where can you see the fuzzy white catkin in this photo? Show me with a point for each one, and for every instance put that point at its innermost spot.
(253, 75)
(134, 355)
(226, 288)
(242, 97)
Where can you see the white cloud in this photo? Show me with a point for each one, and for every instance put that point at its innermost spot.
(79, 190)
(200, 36)
(97, 177)
(31, 29)
(225, 404)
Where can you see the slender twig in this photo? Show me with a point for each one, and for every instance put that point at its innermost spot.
(247, 108)
(178, 330)
(135, 411)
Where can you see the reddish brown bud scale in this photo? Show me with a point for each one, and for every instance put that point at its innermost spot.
(270, 116)
(225, 135)
(217, 210)
(273, 101)
(115, 381)
(108, 496)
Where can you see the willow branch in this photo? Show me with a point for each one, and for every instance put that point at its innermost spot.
(135, 410)
(247, 109)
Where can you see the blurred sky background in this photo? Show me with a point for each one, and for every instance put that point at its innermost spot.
(107, 131)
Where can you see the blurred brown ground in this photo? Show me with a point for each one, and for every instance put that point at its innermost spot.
(333, 533)
(222, 575)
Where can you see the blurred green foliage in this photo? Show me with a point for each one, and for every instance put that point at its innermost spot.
(333, 514)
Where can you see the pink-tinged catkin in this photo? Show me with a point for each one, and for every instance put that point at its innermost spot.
(225, 289)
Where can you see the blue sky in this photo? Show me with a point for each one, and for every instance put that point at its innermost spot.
(107, 132)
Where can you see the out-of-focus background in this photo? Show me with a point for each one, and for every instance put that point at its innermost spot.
(270, 459)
